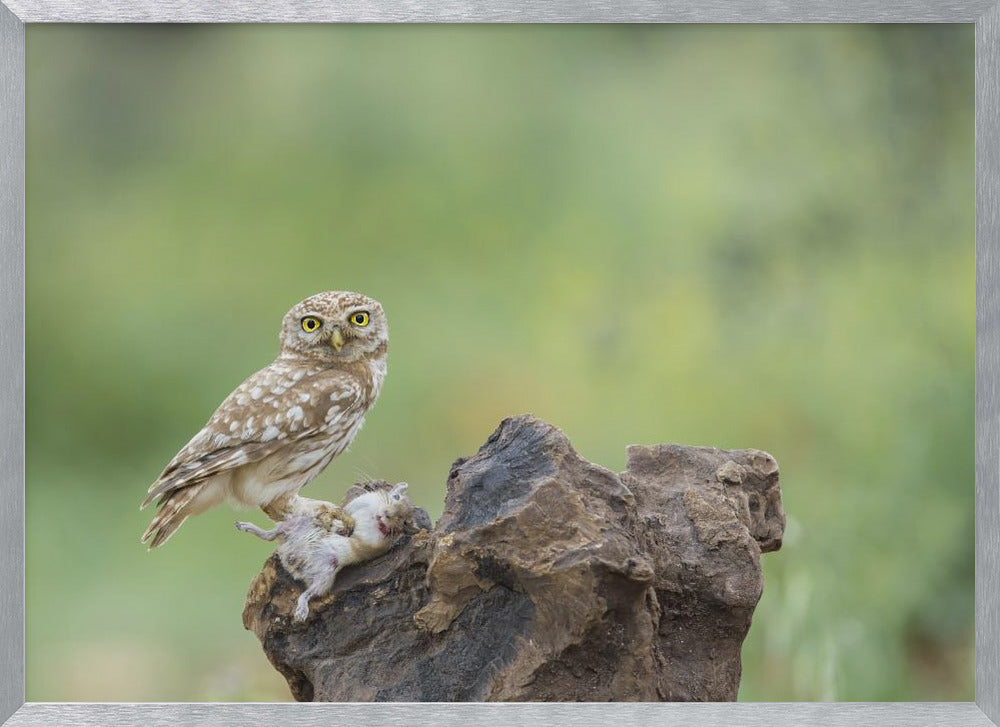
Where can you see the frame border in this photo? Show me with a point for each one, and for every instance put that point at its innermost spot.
(984, 712)
(502, 11)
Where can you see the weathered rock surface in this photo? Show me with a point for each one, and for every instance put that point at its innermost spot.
(546, 578)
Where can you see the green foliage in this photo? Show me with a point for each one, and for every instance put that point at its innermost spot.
(736, 236)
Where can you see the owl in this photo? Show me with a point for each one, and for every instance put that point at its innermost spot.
(282, 426)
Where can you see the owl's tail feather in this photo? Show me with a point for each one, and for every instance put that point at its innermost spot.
(172, 514)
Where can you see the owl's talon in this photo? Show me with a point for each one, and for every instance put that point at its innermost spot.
(347, 525)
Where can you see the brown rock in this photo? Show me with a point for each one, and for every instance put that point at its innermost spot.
(546, 578)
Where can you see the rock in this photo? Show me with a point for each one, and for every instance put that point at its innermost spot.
(546, 578)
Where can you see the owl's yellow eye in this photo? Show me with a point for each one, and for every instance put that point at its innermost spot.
(360, 319)
(311, 323)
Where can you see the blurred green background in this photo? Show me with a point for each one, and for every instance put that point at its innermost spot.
(735, 236)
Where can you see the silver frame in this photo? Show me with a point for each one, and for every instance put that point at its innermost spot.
(986, 16)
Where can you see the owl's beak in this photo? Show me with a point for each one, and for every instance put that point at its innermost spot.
(337, 339)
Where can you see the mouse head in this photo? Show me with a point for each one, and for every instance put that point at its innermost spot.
(396, 511)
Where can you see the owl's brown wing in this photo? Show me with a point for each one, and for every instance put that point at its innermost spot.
(276, 406)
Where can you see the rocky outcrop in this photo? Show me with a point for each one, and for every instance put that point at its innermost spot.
(547, 577)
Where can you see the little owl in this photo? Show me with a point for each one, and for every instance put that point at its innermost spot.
(284, 424)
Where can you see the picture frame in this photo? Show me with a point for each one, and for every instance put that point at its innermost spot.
(985, 14)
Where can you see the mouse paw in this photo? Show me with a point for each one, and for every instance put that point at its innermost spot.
(301, 613)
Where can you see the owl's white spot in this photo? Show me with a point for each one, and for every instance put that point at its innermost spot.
(271, 433)
(297, 375)
(268, 399)
(304, 398)
(295, 413)
(242, 399)
(277, 390)
(234, 426)
(278, 419)
(220, 440)
(268, 421)
(255, 392)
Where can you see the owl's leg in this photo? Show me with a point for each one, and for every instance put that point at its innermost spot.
(305, 505)
(279, 509)
(319, 586)
(258, 531)
(288, 506)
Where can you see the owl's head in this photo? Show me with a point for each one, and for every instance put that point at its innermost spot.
(335, 326)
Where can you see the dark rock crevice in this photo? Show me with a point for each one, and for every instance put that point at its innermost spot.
(547, 577)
